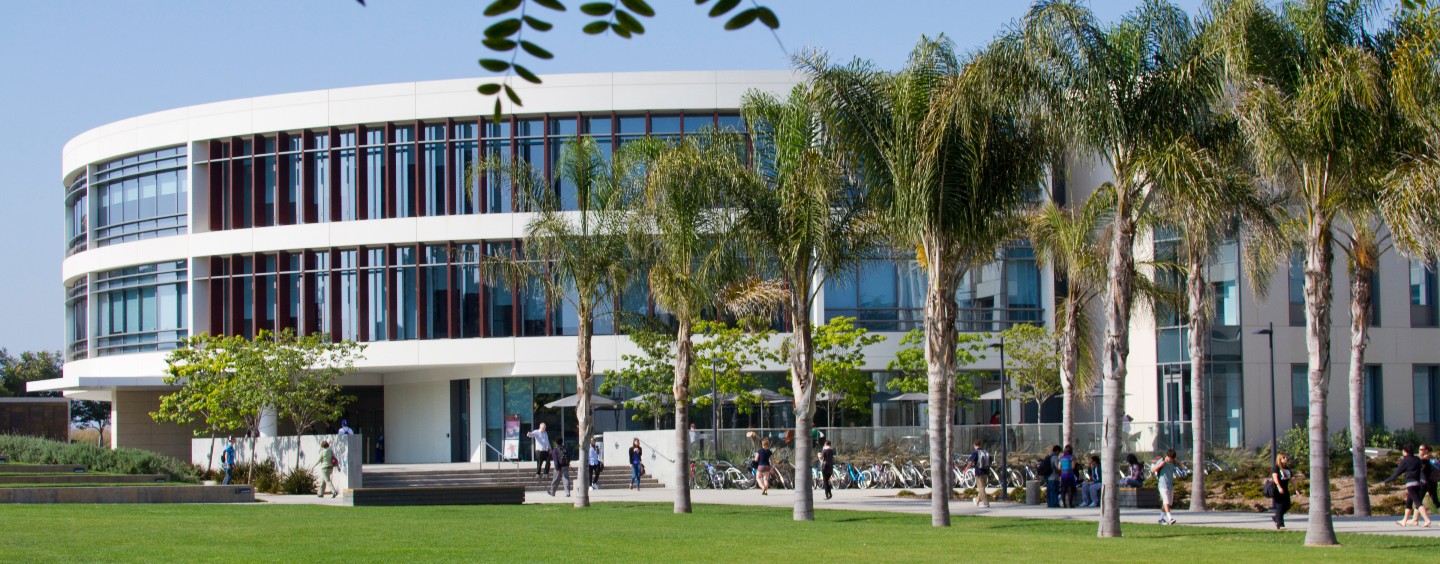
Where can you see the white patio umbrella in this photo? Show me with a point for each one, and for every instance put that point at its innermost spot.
(574, 401)
(915, 398)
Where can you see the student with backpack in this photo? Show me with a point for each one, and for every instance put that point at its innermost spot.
(1066, 466)
(562, 468)
(980, 461)
(1046, 470)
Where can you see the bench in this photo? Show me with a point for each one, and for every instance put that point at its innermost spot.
(1139, 498)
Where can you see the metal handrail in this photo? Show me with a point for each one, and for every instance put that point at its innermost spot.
(500, 456)
(654, 451)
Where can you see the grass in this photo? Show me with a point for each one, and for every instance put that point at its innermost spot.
(623, 532)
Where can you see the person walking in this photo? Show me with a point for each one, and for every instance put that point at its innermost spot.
(1164, 470)
(827, 465)
(1428, 457)
(1136, 478)
(227, 459)
(1280, 475)
(979, 461)
(697, 442)
(561, 458)
(1066, 466)
(542, 450)
(1415, 472)
(636, 464)
(327, 465)
(596, 459)
(1090, 489)
(762, 466)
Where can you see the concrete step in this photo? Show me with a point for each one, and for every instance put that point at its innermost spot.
(83, 478)
(40, 468)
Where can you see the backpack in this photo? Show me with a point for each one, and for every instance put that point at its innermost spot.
(982, 460)
(562, 457)
(1044, 468)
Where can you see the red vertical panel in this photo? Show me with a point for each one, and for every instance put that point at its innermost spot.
(282, 293)
(216, 189)
(392, 322)
(218, 286)
(307, 181)
(309, 321)
(257, 294)
(362, 175)
(284, 214)
(236, 307)
(257, 182)
(236, 188)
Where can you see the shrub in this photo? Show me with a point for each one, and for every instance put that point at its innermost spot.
(298, 482)
(1407, 437)
(265, 479)
(36, 450)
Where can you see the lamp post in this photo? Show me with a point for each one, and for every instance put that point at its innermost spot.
(1269, 333)
(1004, 421)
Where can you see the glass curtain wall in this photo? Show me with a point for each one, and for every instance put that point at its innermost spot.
(138, 197)
(141, 308)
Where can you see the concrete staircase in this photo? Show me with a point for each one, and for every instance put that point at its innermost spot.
(380, 477)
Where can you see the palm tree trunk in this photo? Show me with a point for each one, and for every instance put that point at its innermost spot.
(940, 312)
(1359, 337)
(1319, 258)
(1119, 291)
(1069, 367)
(1197, 290)
(802, 383)
(584, 382)
(684, 352)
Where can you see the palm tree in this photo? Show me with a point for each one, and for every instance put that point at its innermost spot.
(1311, 104)
(1364, 244)
(950, 159)
(580, 256)
(685, 241)
(801, 219)
(1128, 93)
(1072, 241)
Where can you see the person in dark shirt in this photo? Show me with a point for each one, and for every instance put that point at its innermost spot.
(763, 467)
(1280, 475)
(827, 465)
(1415, 472)
(636, 464)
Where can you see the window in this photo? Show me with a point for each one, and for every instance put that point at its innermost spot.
(139, 197)
(1375, 298)
(77, 213)
(77, 320)
(1299, 395)
(1297, 289)
(1423, 295)
(1374, 395)
(1427, 401)
(141, 308)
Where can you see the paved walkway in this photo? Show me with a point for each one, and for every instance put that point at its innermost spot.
(885, 500)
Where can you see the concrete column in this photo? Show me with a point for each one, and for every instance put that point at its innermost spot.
(268, 426)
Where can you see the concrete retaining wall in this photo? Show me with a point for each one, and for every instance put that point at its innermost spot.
(347, 448)
(130, 494)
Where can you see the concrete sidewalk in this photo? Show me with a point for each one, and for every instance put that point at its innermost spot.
(885, 500)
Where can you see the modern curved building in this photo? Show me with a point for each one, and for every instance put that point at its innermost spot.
(347, 212)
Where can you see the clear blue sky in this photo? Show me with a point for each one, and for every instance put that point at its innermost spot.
(70, 65)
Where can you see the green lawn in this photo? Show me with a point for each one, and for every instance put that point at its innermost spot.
(623, 532)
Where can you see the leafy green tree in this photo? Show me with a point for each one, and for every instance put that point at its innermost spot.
(1339, 122)
(724, 351)
(683, 241)
(1032, 363)
(839, 355)
(648, 374)
(220, 386)
(30, 366)
(800, 222)
(306, 368)
(577, 256)
(91, 414)
(1128, 93)
(952, 155)
(913, 373)
(1072, 241)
